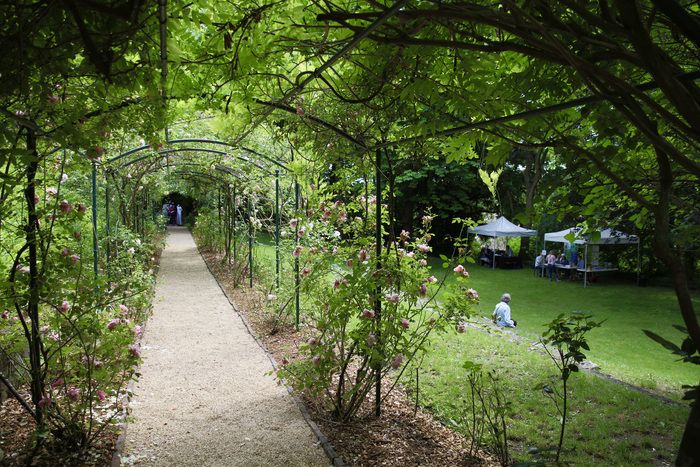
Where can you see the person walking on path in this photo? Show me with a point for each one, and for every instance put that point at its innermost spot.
(501, 314)
(179, 215)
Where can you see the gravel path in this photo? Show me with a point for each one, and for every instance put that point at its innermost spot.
(203, 398)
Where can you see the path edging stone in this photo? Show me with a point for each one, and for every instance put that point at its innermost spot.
(322, 439)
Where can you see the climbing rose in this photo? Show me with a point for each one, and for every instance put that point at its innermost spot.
(397, 361)
(54, 336)
(371, 339)
(465, 274)
(74, 258)
(113, 324)
(66, 207)
(338, 282)
(57, 383)
(427, 220)
(459, 269)
(65, 306)
(138, 331)
(316, 360)
(297, 251)
(326, 214)
(472, 294)
(367, 313)
(405, 235)
(124, 309)
(393, 297)
(45, 402)
(462, 327)
(405, 323)
(5, 314)
(312, 341)
(293, 223)
(51, 191)
(362, 255)
(423, 289)
(423, 248)
(334, 251)
(301, 232)
(423, 262)
(73, 393)
(24, 269)
(66, 251)
(101, 395)
(432, 279)
(64, 178)
(82, 208)
(349, 263)
(135, 350)
(410, 254)
(305, 272)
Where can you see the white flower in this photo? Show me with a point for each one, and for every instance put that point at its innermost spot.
(137, 242)
(336, 234)
(131, 250)
(64, 178)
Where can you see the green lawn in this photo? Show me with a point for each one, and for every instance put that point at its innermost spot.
(609, 423)
(619, 346)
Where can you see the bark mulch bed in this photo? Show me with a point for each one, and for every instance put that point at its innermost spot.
(17, 446)
(397, 437)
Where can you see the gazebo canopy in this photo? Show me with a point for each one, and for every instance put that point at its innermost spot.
(607, 237)
(502, 227)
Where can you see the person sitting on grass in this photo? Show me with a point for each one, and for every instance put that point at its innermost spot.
(501, 314)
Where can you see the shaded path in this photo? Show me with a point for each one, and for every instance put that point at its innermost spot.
(203, 397)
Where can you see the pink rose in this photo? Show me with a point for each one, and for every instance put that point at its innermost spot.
(138, 331)
(367, 313)
(362, 255)
(371, 339)
(405, 323)
(423, 290)
(74, 258)
(397, 361)
(301, 232)
(472, 294)
(73, 393)
(462, 327)
(66, 251)
(297, 251)
(316, 360)
(113, 324)
(51, 191)
(392, 297)
(465, 274)
(45, 402)
(65, 306)
(66, 207)
(101, 395)
(432, 280)
(423, 262)
(423, 248)
(57, 383)
(312, 341)
(305, 272)
(123, 308)
(82, 208)
(135, 350)
(459, 269)
(293, 223)
(5, 314)
(405, 235)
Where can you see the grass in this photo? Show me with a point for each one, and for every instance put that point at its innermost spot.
(609, 424)
(619, 347)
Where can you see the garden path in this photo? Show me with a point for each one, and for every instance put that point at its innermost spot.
(204, 397)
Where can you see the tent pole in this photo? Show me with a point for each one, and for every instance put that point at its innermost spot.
(493, 254)
(585, 266)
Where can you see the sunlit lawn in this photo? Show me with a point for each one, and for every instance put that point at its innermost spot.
(619, 346)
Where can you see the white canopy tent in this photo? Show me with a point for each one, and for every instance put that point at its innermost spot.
(607, 237)
(502, 227)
